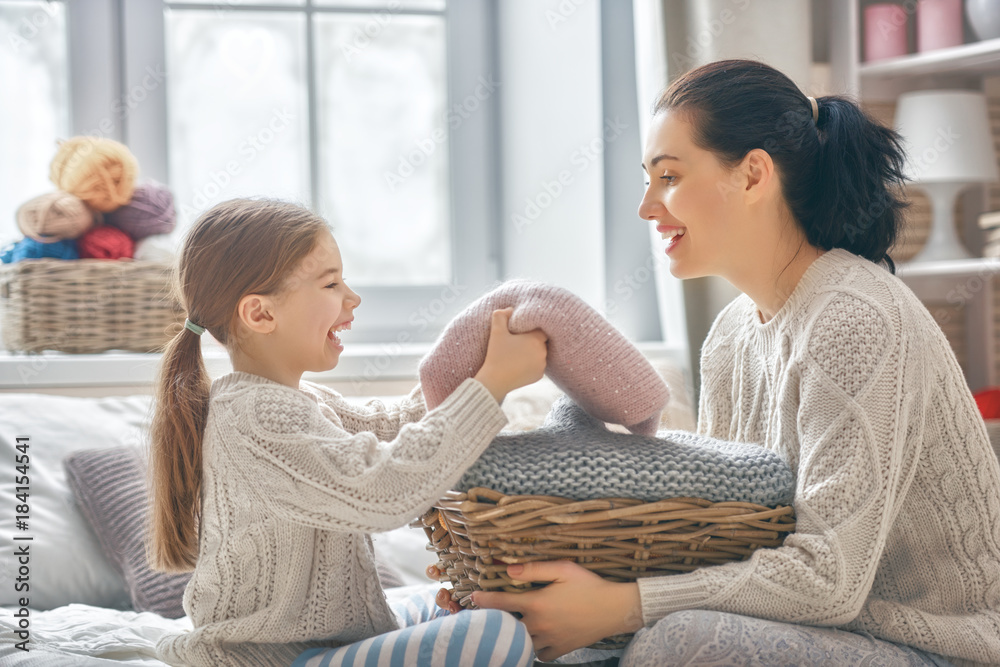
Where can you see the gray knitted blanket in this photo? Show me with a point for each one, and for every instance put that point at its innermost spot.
(574, 455)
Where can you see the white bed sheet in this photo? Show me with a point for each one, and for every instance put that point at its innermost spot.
(79, 634)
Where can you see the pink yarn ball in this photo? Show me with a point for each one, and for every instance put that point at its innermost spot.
(105, 243)
(150, 212)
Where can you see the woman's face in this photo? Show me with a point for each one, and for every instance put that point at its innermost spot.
(693, 199)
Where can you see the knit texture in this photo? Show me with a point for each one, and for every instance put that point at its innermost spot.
(149, 212)
(28, 248)
(897, 496)
(574, 455)
(293, 483)
(587, 357)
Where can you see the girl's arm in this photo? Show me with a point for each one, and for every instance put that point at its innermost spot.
(853, 465)
(310, 471)
(374, 416)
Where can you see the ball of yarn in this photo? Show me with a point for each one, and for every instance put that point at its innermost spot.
(54, 216)
(31, 249)
(151, 211)
(99, 171)
(106, 243)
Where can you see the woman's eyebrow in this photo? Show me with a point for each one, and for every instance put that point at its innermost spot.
(658, 158)
(334, 270)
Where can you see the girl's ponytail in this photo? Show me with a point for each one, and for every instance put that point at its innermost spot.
(839, 173)
(175, 455)
(857, 205)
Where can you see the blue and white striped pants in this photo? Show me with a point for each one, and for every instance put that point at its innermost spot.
(431, 637)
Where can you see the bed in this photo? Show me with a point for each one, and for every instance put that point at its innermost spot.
(81, 601)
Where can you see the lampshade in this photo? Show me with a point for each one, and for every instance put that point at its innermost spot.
(947, 137)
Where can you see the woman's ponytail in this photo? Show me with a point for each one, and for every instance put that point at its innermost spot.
(857, 204)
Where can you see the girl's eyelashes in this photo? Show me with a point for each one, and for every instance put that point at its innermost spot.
(331, 285)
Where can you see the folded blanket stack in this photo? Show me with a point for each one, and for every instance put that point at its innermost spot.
(574, 455)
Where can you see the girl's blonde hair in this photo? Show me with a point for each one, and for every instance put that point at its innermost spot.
(238, 247)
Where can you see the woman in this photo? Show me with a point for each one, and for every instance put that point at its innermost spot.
(828, 359)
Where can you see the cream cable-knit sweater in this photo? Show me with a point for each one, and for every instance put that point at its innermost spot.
(897, 488)
(294, 481)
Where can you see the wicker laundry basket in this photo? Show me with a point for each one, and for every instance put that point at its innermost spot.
(87, 305)
(478, 533)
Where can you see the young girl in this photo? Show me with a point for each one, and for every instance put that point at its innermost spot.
(268, 486)
(827, 359)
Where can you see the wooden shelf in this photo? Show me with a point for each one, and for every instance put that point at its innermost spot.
(951, 268)
(952, 67)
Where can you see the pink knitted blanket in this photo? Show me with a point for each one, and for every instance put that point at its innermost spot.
(588, 358)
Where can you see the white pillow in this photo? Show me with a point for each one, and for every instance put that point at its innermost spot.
(65, 560)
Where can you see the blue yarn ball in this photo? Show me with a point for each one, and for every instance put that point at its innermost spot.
(28, 248)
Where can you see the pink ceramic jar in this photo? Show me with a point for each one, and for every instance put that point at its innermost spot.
(939, 24)
(885, 31)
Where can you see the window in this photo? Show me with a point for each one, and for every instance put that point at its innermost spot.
(358, 109)
(34, 110)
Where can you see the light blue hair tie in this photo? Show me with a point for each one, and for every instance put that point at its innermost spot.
(191, 326)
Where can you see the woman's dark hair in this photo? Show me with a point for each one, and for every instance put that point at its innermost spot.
(839, 175)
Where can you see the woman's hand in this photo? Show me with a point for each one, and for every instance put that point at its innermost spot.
(577, 609)
(512, 360)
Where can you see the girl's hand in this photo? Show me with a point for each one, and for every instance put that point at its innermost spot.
(443, 597)
(512, 360)
(577, 609)
(443, 600)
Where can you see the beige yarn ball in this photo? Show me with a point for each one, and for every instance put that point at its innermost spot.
(54, 216)
(98, 170)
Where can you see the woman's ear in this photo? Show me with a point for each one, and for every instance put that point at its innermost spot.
(256, 312)
(759, 170)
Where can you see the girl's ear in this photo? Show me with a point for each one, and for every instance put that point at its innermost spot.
(256, 311)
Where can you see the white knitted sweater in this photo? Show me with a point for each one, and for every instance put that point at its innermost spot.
(294, 481)
(897, 488)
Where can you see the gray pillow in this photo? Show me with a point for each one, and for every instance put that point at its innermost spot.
(110, 488)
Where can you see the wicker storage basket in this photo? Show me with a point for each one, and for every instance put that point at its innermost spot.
(476, 534)
(87, 305)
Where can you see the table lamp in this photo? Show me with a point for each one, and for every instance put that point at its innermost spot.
(949, 147)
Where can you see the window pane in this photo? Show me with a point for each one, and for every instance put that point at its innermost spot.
(384, 6)
(224, 6)
(383, 131)
(238, 119)
(34, 110)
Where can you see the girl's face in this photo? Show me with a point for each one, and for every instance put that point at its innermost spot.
(314, 306)
(691, 196)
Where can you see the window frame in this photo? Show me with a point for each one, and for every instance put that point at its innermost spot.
(117, 52)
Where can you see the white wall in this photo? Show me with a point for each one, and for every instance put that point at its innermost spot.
(551, 126)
